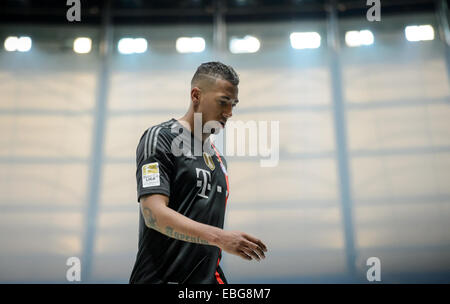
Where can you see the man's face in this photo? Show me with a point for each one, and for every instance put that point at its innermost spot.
(217, 101)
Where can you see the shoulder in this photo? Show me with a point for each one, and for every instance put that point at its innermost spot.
(156, 137)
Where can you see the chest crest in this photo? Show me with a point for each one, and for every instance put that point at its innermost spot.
(209, 161)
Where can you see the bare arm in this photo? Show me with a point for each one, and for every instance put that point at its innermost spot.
(159, 216)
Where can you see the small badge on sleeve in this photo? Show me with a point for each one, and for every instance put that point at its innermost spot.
(150, 175)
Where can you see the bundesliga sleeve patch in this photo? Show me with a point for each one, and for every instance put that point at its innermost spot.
(150, 175)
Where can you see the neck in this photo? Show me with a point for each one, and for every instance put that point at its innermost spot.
(188, 122)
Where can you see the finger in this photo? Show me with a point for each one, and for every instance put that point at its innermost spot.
(249, 251)
(257, 249)
(243, 255)
(256, 241)
(261, 245)
(260, 252)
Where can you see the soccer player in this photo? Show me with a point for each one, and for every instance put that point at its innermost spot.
(183, 196)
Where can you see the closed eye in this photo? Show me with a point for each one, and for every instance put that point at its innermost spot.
(224, 103)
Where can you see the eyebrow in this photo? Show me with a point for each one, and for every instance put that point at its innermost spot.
(228, 98)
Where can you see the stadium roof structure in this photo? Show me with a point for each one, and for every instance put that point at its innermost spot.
(141, 12)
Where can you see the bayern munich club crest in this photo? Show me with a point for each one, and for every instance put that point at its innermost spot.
(209, 161)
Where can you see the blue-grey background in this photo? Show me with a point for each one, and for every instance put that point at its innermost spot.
(364, 167)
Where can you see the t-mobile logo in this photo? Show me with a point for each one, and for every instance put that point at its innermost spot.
(203, 181)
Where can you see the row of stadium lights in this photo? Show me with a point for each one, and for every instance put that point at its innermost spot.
(248, 44)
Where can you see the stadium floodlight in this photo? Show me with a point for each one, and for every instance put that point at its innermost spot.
(248, 44)
(140, 45)
(305, 40)
(358, 38)
(190, 45)
(11, 43)
(82, 45)
(419, 32)
(21, 44)
(24, 44)
(132, 45)
(126, 46)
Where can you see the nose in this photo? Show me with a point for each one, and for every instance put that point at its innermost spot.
(228, 112)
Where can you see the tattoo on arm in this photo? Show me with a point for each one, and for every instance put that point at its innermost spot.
(184, 237)
(150, 219)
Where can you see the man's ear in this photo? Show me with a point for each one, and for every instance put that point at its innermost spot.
(195, 95)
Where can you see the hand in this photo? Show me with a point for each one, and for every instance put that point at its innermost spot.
(242, 244)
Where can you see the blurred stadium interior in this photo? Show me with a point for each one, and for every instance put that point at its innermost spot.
(364, 166)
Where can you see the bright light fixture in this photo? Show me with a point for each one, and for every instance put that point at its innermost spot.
(11, 43)
(419, 32)
(126, 46)
(140, 45)
(305, 40)
(132, 45)
(248, 44)
(82, 45)
(358, 38)
(190, 45)
(21, 44)
(24, 44)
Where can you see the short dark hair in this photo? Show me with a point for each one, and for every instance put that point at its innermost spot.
(216, 70)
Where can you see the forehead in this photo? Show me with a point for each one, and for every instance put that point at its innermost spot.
(225, 87)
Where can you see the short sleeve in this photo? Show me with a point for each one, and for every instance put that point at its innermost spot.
(154, 163)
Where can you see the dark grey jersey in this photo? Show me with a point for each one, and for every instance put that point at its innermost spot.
(197, 188)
